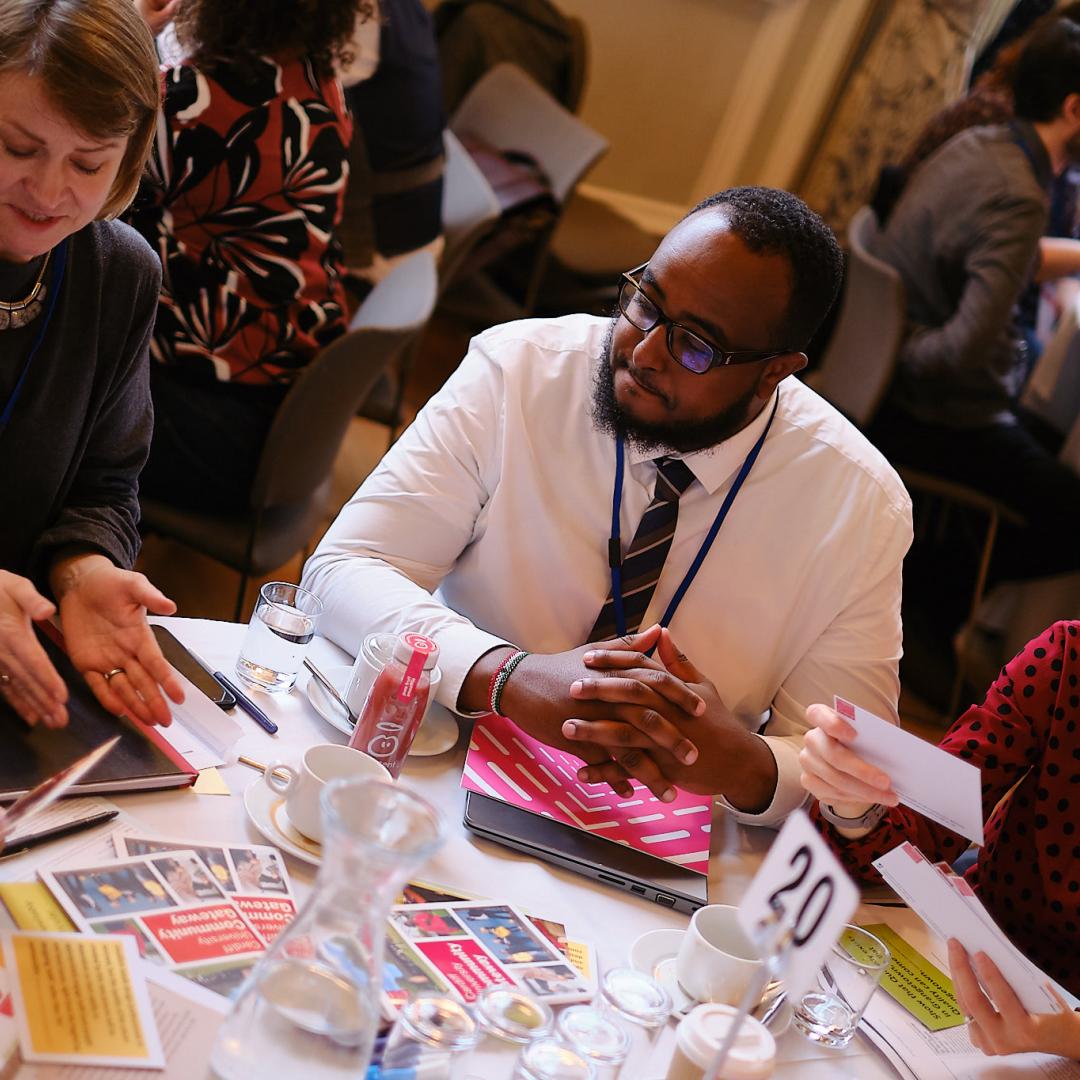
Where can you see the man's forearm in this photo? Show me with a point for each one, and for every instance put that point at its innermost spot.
(69, 565)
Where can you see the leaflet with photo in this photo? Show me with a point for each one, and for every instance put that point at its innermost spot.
(252, 875)
(463, 947)
(174, 908)
(580, 953)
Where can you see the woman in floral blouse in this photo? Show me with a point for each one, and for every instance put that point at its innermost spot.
(244, 191)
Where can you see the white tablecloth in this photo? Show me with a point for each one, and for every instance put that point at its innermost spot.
(611, 920)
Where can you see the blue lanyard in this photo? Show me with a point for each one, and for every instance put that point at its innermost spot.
(54, 291)
(615, 548)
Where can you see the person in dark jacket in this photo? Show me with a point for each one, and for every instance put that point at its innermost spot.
(78, 292)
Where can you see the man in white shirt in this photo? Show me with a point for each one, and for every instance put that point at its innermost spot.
(487, 525)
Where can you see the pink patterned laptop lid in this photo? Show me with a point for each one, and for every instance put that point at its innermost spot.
(505, 763)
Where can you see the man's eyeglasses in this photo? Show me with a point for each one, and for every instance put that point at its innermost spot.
(688, 349)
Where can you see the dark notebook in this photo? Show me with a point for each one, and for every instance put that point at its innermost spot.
(143, 759)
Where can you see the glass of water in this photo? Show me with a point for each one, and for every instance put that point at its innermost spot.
(282, 625)
(830, 1015)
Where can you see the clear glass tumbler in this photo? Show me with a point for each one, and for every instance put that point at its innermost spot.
(639, 1005)
(310, 1008)
(508, 1019)
(596, 1035)
(430, 1038)
(282, 625)
(552, 1059)
(848, 979)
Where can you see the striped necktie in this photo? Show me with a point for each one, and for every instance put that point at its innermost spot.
(644, 560)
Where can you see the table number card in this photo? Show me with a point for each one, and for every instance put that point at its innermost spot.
(802, 882)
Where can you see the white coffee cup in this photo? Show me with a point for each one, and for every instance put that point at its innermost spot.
(303, 785)
(716, 960)
(370, 660)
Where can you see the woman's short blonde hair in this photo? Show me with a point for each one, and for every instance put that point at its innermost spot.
(100, 68)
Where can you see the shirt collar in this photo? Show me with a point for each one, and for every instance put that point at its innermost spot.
(1036, 152)
(714, 465)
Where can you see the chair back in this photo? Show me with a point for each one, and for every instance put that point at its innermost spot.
(469, 208)
(307, 431)
(859, 362)
(510, 111)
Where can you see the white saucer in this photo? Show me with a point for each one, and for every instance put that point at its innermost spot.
(266, 811)
(438, 733)
(654, 954)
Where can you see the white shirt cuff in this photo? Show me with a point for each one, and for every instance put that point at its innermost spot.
(789, 795)
(460, 646)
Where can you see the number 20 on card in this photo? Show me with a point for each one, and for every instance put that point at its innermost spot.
(802, 882)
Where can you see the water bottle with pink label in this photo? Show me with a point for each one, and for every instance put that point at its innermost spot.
(396, 702)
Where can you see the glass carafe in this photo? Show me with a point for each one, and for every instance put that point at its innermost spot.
(311, 1006)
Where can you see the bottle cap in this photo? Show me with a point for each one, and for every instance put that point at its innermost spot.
(410, 645)
(512, 1015)
(702, 1033)
(594, 1034)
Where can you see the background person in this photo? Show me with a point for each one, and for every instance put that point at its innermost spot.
(79, 93)
(244, 192)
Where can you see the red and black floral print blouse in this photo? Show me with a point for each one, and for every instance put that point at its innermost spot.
(1025, 739)
(245, 188)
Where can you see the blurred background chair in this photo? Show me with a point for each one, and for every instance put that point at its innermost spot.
(860, 358)
(290, 493)
(511, 114)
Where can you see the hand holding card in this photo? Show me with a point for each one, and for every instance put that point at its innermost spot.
(928, 779)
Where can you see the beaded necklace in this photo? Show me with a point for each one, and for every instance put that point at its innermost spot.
(18, 313)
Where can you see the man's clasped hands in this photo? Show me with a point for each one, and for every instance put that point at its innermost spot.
(636, 707)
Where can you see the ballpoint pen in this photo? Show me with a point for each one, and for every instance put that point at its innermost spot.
(247, 704)
(24, 843)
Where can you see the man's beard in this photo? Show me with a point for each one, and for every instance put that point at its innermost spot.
(678, 437)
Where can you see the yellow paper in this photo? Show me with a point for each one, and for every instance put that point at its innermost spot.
(78, 1000)
(33, 907)
(578, 955)
(209, 782)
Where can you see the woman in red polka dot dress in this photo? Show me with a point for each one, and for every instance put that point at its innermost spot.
(1024, 738)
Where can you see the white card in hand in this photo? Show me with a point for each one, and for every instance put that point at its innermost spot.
(932, 781)
(947, 912)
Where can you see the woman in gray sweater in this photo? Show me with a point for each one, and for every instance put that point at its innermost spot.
(79, 93)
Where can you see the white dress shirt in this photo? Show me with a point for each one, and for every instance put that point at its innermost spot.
(487, 523)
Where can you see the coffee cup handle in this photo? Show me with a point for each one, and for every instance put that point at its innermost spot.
(275, 781)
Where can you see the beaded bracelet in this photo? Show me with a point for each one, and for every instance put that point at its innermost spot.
(501, 678)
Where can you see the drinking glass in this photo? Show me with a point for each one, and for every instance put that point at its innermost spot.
(640, 1006)
(508, 1019)
(552, 1059)
(830, 1015)
(429, 1038)
(282, 625)
(596, 1035)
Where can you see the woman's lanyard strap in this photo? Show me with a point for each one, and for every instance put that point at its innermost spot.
(614, 548)
(59, 263)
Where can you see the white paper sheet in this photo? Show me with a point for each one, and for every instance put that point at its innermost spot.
(932, 781)
(949, 914)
